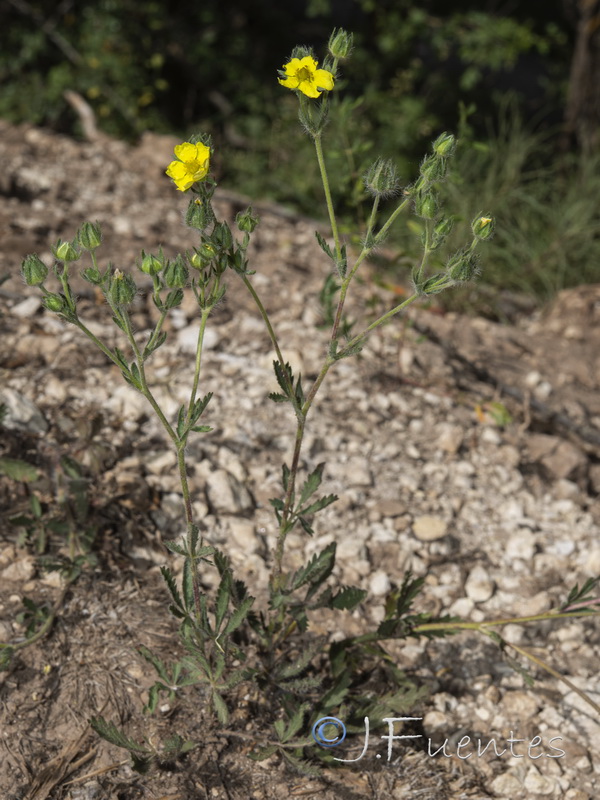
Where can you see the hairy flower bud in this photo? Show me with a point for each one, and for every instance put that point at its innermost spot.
(381, 179)
(444, 145)
(199, 214)
(89, 236)
(176, 274)
(426, 204)
(122, 288)
(434, 168)
(34, 271)
(54, 302)
(150, 264)
(483, 227)
(462, 266)
(246, 221)
(66, 251)
(340, 44)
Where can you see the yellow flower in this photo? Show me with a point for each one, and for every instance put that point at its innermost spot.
(302, 74)
(192, 165)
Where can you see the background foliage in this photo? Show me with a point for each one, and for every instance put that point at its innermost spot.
(418, 68)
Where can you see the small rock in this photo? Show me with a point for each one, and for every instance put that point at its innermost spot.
(20, 571)
(538, 784)
(519, 705)
(243, 534)
(435, 721)
(506, 785)
(21, 414)
(450, 437)
(479, 587)
(429, 528)
(379, 583)
(521, 545)
(27, 308)
(187, 339)
(392, 508)
(560, 458)
(226, 494)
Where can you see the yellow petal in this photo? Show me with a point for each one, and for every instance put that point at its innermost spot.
(323, 79)
(185, 151)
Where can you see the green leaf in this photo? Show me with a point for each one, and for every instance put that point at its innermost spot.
(318, 505)
(109, 731)
(285, 477)
(169, 579)
(201, 428)
(296, 721)
(318, 568)
(156, 663)
(181, 421)
(220, 708)
(348, 598)
(222, 600)
(580, 595)
(324, 246)
(18, 470)
(285, 377)
(278, 398)
(187, 584)
(263, 752)
(238, 616)
(301, 663)
(150, 348)
(200, 406)
(311, 484)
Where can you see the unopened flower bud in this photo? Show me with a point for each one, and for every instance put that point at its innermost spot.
(381, 179)
(34, 271)
(483, 227)
(426, 204)
(150, 265)
(340, 44)
(65, 251)
(246, 221)
(199, 214)
(89, 236)
(176, 274)
(122, 288)
(92, 275)
(54, 302)
(443, 227)
(444, 145)
(434, 168)
(462, 266)
(222, 235)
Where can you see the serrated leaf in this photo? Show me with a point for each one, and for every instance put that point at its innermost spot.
(201, 429)
(324, 246)
(318, 568)
(187, 584)
(222, 600)
(263, 752)
(303, 767)
(109, 731)
(348, 598)
(334, 697)
(158, 665)
(135, 374)
(18, 470)
(278, 398)
(311, 484)
(300, 664)
(151, 347)
(200, 406)
(238, 616)
(279, 726)
(301, 685)
(306, 526)
(169, 579)
(296, 721)
(285, 476)
(284, 376)
(221, 709)
(173, 547)
(319, 505)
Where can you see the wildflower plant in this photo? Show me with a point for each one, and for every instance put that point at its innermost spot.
(299, 676)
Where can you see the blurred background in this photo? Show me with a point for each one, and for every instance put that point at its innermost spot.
(519, 83)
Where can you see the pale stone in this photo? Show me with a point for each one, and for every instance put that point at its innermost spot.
(21, 570)
(479, 587)
(20, 413)
(435, 721)
(450, 437)
(27, 308)
(506, 785)
(226, 494)
(187, 339)
(538, 784)
(428, 528)
(519, 705)
(243, 534)
(379, 583)
(521, 545)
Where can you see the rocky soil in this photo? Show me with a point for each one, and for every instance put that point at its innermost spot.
(461, 448)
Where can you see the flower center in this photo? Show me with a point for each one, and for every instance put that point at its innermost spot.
(304, 74)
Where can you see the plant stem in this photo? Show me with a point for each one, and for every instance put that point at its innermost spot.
(328, 200)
